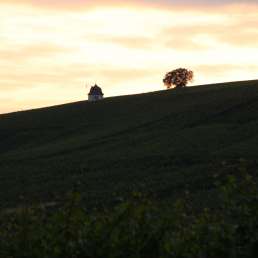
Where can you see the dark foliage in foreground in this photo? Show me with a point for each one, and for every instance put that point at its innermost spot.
(138, 228)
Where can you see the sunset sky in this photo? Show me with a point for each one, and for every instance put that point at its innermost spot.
(51, 49)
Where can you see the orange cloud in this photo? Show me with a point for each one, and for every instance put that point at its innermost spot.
(22, 53)
(84, 4)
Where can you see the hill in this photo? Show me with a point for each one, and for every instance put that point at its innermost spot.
(161, 142)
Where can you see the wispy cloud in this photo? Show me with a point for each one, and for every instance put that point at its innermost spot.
(64, 4)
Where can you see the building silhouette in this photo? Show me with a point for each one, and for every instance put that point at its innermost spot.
(95, 93)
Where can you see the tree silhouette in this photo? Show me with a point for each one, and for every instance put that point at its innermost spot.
(179, 78)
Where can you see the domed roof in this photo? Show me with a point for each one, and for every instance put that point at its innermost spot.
(96, 90)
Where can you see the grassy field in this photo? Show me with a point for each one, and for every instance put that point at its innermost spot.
(161, 143)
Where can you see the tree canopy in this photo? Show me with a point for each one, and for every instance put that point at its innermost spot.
(178, 78)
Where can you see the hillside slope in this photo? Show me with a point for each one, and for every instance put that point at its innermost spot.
(161, 142)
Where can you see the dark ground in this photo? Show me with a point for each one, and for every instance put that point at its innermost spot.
(160, 143)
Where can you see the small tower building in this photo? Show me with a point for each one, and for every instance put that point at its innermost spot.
(95, 93)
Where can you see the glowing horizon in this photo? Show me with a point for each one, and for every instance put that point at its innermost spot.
(50, 50)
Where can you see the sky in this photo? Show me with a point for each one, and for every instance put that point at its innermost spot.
(52, 51)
